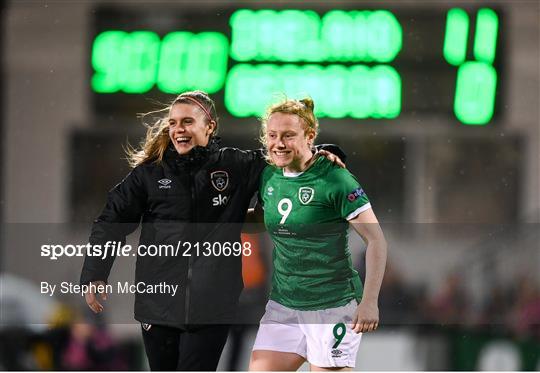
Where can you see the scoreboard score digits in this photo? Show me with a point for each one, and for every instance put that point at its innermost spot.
(350, 62)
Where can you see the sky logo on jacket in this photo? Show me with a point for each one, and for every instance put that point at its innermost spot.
(220, 200)
(165, 183)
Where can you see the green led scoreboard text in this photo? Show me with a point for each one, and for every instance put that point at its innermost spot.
(344, 60)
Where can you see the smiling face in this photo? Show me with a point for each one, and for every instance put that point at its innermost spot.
(189, 127)
(288, 145)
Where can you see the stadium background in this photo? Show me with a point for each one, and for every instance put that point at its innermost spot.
(460, 204)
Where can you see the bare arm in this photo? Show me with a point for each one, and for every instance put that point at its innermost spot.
(367, 313)
(254, 220)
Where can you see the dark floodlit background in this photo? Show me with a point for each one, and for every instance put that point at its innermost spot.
(459, 202)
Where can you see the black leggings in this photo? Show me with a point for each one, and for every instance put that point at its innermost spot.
(195, 349)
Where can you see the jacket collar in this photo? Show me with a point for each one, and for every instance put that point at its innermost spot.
(196, 157)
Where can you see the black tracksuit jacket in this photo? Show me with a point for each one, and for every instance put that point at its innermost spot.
(199, 197)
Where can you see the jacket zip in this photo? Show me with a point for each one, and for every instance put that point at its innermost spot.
(190, 260)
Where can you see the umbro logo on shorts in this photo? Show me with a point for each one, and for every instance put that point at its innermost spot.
(336, 352)
(165, 183)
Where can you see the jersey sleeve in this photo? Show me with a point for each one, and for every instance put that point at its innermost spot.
(346, 194)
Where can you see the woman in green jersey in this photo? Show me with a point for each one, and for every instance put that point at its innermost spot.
(318, 307)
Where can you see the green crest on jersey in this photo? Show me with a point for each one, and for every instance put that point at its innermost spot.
(305, 194)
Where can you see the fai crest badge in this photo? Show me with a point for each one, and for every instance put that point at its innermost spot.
(220, 180)
(305, 195)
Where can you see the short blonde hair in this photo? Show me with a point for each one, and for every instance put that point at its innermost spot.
(302, 108)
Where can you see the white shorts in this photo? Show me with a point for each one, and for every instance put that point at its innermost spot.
(324, 338)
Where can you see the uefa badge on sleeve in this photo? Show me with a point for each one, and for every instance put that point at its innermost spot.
(305, 195)
(355, 194)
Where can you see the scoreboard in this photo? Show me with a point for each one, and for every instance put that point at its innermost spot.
(361, 63)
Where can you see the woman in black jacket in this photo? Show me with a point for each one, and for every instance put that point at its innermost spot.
(188, 193)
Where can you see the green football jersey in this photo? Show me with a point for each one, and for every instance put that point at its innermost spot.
(306, 215)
